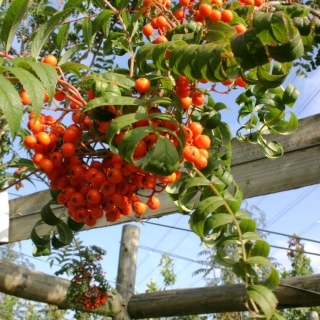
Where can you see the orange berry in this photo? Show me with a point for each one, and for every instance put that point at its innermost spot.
(50, 59)
(142, 85)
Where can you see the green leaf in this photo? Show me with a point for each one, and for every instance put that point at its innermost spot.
(163, 159)
(37, 240)
(290, 95)
(74, 67)
(120, 80)
(264, 298)
(75, 226)
(101, 19)
(248, 225)
(222, 258)
(43, 33)
(260, 248)
(69, 53)
(32, 85)
(11, 22)
(48, 216)
(203, 209)
(120, 123)
(130, 140)
(121, 4)
(112, 100)
(54, 194)
(220, 219)
(44, 250)
(281, 27)
(11, 105)
(260, 261)
(56, 243)
(272, 80)
(65, 233)
(62, 37)
(87, 32)
(249, 235)
(273, 280)
(219, 31)
(46, 73)
(287, 52)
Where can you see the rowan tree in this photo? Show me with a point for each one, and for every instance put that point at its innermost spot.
(112, 115)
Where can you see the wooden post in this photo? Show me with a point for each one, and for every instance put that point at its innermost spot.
(313, 315)
(37, 286)
(127, 266)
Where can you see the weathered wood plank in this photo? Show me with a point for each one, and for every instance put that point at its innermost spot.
(256, 175)
(37, 286)
(227, 298)
(41, 287)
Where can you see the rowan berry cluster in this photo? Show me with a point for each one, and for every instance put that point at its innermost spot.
(92, 298)
(97, 183)
(203, 13)
(88, 287)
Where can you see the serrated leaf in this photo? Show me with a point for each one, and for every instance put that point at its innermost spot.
(219, 31)
(98, 22)
(87, 32)
(48, 216)
(46, 73)
(33, 87)
(120, 80)
(74, 67)
(11, 105)
(11, 22)
(62, 37)
(264, 298)
(65, 233)
(112, 100)
(42, 34)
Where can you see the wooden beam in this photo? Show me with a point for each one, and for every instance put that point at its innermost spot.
(41, 287)
(291, 293)
(256, 175)
(37, 286)
(127, 266)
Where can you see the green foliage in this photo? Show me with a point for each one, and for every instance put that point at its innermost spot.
(300, 266)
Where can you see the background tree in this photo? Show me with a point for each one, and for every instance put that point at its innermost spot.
(300, 266)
